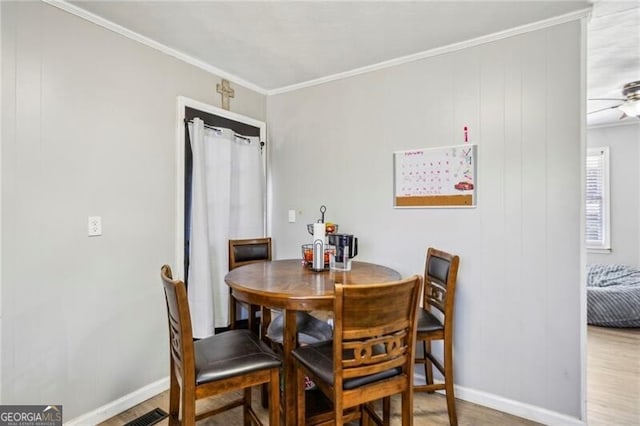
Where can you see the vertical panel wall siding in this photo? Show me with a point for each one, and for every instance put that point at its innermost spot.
(517, 322)
(88, 128)
(564, 194)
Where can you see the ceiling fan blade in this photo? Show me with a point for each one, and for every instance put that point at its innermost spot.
(605, 99)
(603, 109)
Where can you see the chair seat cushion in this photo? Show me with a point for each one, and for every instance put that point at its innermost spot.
(310, 329)
(229, 354)
(427, 322)
(318, 358)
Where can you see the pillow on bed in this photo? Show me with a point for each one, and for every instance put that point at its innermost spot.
(608, 275)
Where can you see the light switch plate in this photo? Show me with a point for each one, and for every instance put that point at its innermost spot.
(292, 216)
(95, 226)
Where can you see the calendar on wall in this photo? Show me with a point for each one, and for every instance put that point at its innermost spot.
(436, 177)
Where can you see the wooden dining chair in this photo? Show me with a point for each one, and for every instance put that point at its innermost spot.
(310, 328)
(226, 362)
(243, 252)
(371, 355)
(435, 322)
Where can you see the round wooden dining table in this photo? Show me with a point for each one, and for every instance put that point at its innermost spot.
(291, 286)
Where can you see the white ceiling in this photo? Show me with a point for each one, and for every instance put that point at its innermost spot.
(613, 56)
(272, 45)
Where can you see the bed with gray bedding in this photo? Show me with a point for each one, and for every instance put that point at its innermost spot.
(613, 295)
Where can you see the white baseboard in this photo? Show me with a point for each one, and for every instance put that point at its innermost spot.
(121, 404)
(516, 408)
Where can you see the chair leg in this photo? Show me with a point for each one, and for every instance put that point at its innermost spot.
(188, 408)
(232, 311)
(274, 398)
(369, 416)
(365, 418)
(448, 383)
(246, 415)
(174, 400)
(264, 395)
(254, 321)
(428, 367)
(386, 410)
(407, 407)
(265, 320)
(338, 416)
(300, 397)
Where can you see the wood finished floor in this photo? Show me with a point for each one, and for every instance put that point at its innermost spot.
(613, 376)
(613, 392)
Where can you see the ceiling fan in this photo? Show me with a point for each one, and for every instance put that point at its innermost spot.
(630, 106)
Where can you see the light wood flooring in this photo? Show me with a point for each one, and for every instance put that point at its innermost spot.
(613, 376)
(613, 392)
(429, 409)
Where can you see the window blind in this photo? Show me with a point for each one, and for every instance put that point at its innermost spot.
(597, 201)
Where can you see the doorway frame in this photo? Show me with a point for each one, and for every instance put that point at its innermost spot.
(182, 104)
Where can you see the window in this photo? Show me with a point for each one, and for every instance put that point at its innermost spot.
(597, 198)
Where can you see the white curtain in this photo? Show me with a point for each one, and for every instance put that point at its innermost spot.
(227, 202)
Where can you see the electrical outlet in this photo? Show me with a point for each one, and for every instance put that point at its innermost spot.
(94, 226)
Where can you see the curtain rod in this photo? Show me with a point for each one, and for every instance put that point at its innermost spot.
(247, 138)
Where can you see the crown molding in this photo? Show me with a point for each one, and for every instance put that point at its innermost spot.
(561, 19)
(112, 26)
(556, 20)
(630, 121)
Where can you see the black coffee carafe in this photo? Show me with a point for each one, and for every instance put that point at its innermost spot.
(345, 244)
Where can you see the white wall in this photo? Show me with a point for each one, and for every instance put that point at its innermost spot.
(88, 128)
(518, 316)
(624, 157)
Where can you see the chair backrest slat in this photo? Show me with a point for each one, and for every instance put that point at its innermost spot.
(375, 328)
(180, 333)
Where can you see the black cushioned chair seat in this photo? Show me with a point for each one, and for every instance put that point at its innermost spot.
(310, 329)
(232, 353)
(318, 357)
(427, 322)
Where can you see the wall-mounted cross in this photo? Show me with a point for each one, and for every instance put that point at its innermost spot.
(226, 92)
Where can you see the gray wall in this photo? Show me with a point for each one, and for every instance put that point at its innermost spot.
(624, 157)
(518, 317)
(88, 128)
